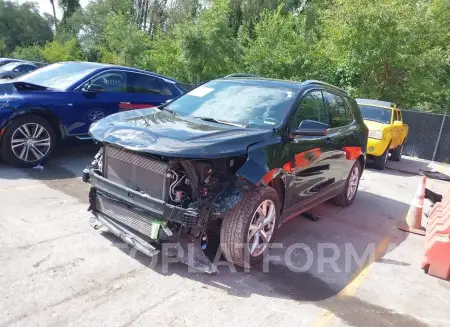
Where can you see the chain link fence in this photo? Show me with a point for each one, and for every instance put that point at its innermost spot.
(428, 136)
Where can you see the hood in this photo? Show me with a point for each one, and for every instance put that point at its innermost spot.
(159, 132)
(374, 126)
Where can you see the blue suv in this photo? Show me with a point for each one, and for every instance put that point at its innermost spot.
(41, 108)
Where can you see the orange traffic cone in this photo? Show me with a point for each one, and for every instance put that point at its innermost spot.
(413, 220)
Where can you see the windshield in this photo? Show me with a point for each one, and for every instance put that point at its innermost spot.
(239, 102)
(10, 66)
(378, 114)
(58, 76)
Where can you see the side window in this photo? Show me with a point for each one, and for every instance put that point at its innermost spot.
(111, 81)
(141, 83)
(26, 68)
(19, 69)
(339, 110)
(398, 115)
(312, 107)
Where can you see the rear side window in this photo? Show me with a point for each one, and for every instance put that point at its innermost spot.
(338, 109)
(141, 83)
(312, 107)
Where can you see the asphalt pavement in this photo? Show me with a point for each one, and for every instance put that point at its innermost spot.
(58, 271)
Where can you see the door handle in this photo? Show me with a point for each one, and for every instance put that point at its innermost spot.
(328, 140)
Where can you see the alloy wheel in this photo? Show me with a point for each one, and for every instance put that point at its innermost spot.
(261, 228)
(30, 142)
(353, 183)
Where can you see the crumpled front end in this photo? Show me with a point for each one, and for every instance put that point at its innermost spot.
(148, 201)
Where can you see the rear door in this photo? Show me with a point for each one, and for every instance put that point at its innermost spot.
(311, 159)
(344, 132)
(146, 91)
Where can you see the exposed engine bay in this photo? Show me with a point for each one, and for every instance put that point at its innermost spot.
(184, 192)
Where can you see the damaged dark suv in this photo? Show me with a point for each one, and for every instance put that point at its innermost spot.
(243, 154)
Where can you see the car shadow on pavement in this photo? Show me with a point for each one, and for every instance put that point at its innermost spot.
(369, 222)
(62, 172)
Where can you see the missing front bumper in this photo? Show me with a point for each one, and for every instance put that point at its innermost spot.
(188, 250)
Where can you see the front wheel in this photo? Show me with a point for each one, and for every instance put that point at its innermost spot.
(396, 155)
(380, 162)
(28, 141)
(348, 193)
(248, 229)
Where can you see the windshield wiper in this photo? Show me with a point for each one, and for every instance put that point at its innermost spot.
(164, 107)
(214, 120)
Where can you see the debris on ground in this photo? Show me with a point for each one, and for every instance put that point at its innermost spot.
(311, 216)
(435, 175)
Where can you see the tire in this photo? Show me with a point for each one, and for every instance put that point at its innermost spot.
(235, 234)
(380, 162)
(396, 154)
(40, 141)
(344, 199)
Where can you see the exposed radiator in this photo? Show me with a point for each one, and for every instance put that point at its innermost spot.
(132, 218)
(136, 171)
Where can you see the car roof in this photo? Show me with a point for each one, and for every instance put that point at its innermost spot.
(278, 82)
(97, 65)
(376, 103)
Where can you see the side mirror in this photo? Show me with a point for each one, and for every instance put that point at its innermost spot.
(310, 128)
(398, 123)
(93, 88)
(168, 101)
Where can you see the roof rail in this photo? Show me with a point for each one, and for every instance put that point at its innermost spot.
(312, 81)
(241, 75)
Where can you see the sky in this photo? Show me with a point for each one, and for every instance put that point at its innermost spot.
(45, 6)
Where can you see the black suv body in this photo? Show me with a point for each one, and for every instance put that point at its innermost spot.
(245, 154)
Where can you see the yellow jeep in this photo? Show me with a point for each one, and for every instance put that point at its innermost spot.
(387, 132)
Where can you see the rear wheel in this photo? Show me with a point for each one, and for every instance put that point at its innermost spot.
(28, 141)
(348, 194)
(248, 230)
(380, 162)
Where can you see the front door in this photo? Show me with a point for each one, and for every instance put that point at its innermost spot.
(309, 159)
(122, 91)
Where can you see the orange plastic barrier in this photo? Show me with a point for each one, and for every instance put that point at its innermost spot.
(437, 240)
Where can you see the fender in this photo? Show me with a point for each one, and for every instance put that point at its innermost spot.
(261, 156)
(39, 111)
(262, 164)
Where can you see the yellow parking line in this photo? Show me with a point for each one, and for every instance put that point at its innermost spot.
(326, 318)
(19, 188)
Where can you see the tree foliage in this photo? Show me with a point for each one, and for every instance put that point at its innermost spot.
(22, 25)
(394, 50)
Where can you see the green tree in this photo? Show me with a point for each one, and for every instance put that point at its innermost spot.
(57, 51)
(33, 53)
(22, 25)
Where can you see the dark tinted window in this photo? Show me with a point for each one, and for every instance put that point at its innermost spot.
(312, 107)
(111, 81)
(141, 83)
(24, 68)
(338, 109)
